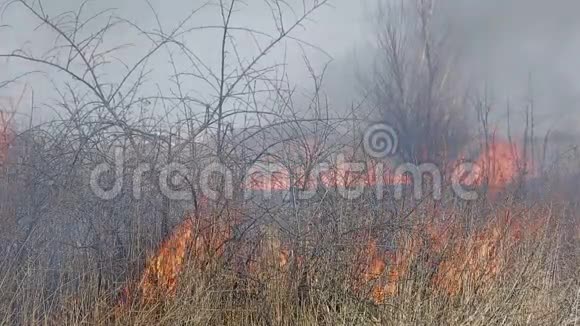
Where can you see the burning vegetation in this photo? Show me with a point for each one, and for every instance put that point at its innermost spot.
(454, 257)
(125, 122)
(195, 241)
(501, 164)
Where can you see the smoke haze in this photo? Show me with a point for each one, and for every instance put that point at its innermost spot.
(508, 43)
(503, 44)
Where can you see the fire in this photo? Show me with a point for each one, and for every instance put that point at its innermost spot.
(163, 269)
(202, 240)
(472, 260)
(381, 270)
(331, 177)
(500, 165)
(269, 258)
(458, 261)
(496, 167)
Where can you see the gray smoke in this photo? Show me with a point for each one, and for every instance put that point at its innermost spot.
(515, 45)
(512, 47)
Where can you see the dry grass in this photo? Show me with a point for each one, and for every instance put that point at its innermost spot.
(509, 264)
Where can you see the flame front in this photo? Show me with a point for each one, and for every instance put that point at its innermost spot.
(500, 165)
(201, 240)
(161, 273)
(456, 260)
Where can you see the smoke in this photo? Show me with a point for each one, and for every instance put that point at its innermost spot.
(503, 44)
(513, 48)
(518, 48)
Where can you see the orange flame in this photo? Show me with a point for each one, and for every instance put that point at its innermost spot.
(201, 239)
(500, 165)
(458, 261)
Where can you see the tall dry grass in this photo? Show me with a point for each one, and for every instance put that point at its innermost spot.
(482, 264)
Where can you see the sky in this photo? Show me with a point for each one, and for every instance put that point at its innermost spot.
(503, 44)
